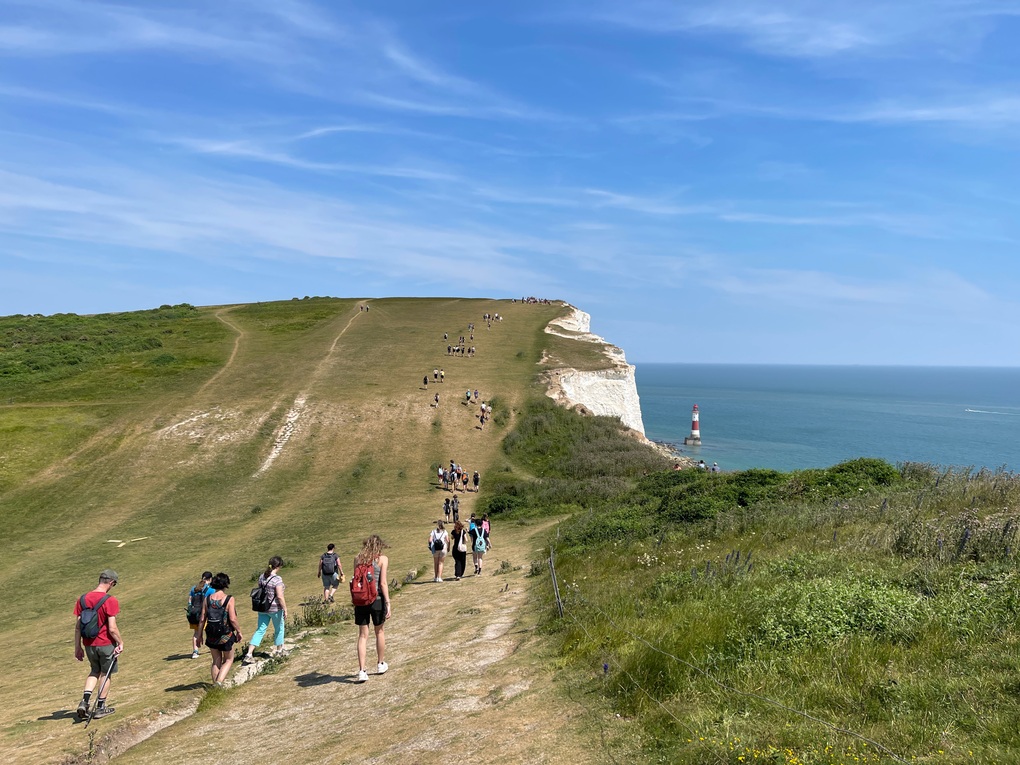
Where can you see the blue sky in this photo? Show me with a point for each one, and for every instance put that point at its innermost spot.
(717, 181)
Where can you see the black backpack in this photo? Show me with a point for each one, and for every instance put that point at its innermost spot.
(328, 564)
(88, 621)
(194, 609)
(218, 630)
(261, 597)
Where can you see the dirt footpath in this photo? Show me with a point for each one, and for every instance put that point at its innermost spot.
(468, 680)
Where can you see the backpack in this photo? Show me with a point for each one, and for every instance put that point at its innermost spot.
(438, 542)
(195, 598)
(261, 598)
(328, 564)
(88, 621)
(218, 630)
(480, 543)
(364, 588)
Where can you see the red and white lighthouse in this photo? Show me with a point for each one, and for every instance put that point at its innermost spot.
(694, 439)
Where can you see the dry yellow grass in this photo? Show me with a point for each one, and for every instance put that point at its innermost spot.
(194, 472)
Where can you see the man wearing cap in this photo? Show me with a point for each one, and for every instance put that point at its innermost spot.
(102, 649)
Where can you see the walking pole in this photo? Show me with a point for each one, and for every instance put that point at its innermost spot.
(102, 687)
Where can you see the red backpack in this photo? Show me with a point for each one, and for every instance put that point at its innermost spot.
(364, 588)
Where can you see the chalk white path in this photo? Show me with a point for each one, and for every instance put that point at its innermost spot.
(290, 423)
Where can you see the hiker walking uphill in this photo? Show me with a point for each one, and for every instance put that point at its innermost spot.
(222, 629)
(459, 546)
(331, 572)
(196, 599)
(271, 586)
(96, 636)
(479, 543)
(439, 542)
(370, 596)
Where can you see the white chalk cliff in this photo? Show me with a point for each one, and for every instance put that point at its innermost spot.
(611, 391)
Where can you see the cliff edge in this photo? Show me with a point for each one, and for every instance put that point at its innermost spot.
(611, 391)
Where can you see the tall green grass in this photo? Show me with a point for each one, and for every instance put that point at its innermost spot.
(819, 616)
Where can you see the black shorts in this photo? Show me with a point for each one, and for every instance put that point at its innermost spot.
(376, 613)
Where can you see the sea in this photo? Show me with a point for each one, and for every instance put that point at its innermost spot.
(796, 417)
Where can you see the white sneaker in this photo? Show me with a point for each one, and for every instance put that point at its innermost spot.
(383, 666)
(439, 579)
(362, 676)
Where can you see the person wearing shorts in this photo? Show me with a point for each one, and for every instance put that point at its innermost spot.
(378, 612)
(198, 594)
(222, 629)
(330, 581)
(102, 650)
(439, 542)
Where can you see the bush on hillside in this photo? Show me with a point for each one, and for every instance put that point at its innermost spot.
(843, 480)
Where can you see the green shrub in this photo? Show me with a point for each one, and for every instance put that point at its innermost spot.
(821, 611)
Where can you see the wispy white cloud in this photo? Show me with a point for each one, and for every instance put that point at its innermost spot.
(254, 152)
(928, 290)
(425, 72)
(645, 205)
(807, 29)
(292, 45)
(987, 110)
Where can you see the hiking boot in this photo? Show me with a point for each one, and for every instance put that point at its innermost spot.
(83, 709)
(248, 660)
(103, 711)
(362, 676)
(383, 666)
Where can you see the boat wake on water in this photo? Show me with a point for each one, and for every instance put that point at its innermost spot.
(986, 411)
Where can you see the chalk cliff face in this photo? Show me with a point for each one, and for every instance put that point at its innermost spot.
(611, 391)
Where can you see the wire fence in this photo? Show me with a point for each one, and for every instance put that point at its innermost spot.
(565, 612)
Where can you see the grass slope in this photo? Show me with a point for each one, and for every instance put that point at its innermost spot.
(857, 614)
(133, 439)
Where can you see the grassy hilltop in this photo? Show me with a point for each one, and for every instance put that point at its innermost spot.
(153, 426)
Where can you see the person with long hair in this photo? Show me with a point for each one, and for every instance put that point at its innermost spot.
(222, 629)
(378, 612)
(439, 541)
(459, 538)
(272, 582)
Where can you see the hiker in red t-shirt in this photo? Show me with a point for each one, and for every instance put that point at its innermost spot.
(102, 649)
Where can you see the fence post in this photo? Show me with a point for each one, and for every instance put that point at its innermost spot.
(556, 585)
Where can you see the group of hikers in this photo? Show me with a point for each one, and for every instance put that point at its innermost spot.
(456, 478)
(212, 612)
(473, 538)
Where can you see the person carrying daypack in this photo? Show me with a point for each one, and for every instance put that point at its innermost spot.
(368, 579)
(331, 572)
(222, 629)
(96, 636)
(271, 584)
(196, 599)
(479, 544)
(439, 541)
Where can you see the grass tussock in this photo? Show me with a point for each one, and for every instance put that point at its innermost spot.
(857, 613)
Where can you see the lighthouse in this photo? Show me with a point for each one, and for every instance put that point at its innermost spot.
(694, 439)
